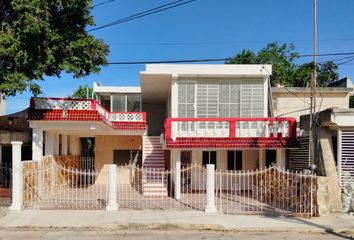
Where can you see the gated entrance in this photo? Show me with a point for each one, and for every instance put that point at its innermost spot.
(5, 185)
(49, 185)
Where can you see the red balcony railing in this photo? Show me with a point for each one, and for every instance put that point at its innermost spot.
(230, 128)
(86, 105)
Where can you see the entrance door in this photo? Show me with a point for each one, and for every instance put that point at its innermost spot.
(271, 157)
(87, 161)
(209, 157)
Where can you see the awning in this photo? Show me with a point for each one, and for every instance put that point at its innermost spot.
(232, 143)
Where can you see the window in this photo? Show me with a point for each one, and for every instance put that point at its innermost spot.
(221, 98)
(186, 99)
(118, 103)
(133, 103)
(234, 160)
(186, 158)
(126, 103)
(209, 157)
(270, 157)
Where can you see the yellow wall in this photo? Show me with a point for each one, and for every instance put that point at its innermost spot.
(106, 144)
(293, 104)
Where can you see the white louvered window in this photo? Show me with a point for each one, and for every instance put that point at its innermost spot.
(220, 98)
(186, 99)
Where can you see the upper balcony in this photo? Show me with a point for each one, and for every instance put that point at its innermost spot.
(68, 109)
(230, 132)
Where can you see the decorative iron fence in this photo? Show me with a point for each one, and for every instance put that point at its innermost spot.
(5, 184)
(148, 188)
(50, 185)
(267, 191)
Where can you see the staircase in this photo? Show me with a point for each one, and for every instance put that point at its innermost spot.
(154, 181)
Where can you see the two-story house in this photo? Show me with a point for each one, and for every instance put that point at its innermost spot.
(180, 114)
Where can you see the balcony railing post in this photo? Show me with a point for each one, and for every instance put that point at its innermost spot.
(232, 129)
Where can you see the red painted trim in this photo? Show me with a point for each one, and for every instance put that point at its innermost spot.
(232, 133)
(232, 122)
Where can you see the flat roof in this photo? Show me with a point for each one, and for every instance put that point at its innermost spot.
(210, 69)
(112, 89)
(306, 89)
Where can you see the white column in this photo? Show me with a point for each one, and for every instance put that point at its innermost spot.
(281, 161)
(178, 180)
(112, 188)
(49, 143)
(17, 177)
(262, 156)
(64, 144)
(56, 144)
(37, 144)
(176, 162)
(210, 189)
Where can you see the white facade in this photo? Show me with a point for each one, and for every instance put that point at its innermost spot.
(2, 105)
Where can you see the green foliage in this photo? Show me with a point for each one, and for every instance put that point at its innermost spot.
(82, 92)
(41, 38)
(285, 71)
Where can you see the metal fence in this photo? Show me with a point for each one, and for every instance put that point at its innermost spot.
(49, 185)
(5, 184)
(146, 188)
(267, 191)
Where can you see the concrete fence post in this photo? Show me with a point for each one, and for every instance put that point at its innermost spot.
(210, 189)
(17, 177)
(178, 180)
(112, 188)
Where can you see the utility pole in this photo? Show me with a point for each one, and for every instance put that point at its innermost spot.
(313, 137)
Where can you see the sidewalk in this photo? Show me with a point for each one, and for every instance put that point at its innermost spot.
(191, 220)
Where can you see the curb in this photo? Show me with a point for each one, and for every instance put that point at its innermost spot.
(176, 227)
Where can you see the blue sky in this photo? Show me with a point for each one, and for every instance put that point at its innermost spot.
(206, 29)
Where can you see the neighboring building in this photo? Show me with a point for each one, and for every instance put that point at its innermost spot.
(14, 127)
(181, 114)
(336, 142)
(2, 105)
(295, 101)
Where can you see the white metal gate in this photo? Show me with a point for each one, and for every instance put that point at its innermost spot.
(49, 185)
(267, 191)
(145, 188)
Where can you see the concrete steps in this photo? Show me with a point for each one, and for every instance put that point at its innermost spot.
(154, 182)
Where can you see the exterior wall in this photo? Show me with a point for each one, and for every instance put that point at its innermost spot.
(74, 142)
(2, 105)
(106, 144)
(155, 118)
(295, 104)
(250, 159)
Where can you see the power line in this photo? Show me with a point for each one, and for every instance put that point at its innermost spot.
(148, 12)
(220, 42)
(101, 3)
(214, 59)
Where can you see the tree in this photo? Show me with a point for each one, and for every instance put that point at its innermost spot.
(245, 57)
(45, 38)
(82, 92)
(281, 57)
(285, 71)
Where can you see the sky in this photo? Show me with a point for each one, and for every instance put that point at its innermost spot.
(206, 29)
